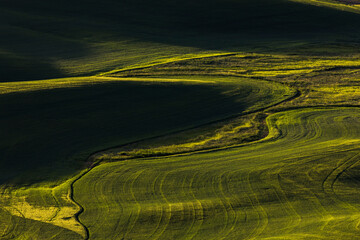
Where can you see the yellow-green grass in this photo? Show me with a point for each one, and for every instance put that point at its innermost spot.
(54, 125)
(54, 110)
(322, 80)
(29, 51)
(340, 5)
(234, 131)
(41, 40)
(14, 227)
(251, 65)
(41, 212)
(49, 84)
(330, 95)
(164, 60)
(299, 183)
(48, 204)
(240, 65)
(51, 126)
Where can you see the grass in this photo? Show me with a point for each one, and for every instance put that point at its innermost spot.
(323, 80)
(42, 41)
(192, 103)
(39, 213)
(68, 119)
(310, 138)
(189, 102)
(241, 130)
(296, 186)
(333, 4)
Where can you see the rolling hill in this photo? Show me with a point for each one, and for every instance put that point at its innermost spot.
(78, 38)
(218, 119)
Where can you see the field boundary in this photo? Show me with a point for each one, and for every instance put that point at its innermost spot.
(71, 198)
(99, 161)
(149, 65)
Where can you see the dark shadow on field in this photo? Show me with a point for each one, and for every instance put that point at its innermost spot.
(20, 68)
(38, 32)
(52, 128)
(49, 134)
(28, 50)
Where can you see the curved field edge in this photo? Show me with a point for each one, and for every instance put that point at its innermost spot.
(96, 113)
(281, 188)
(89, 65)
(68, 83)
(39, 85)
(54, 205)
(339, 5)
(166, 60)
(322, 80)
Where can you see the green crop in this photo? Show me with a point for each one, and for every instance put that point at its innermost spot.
(294, 184)
(192, 119)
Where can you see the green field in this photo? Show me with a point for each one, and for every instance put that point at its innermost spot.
(58, 124)
(299, 183)
(39, 40)
(220, 119)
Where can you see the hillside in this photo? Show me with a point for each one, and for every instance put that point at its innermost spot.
(75, 38)
(218, 119)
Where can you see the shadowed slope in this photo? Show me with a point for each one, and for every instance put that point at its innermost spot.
(69, 38)
(54, 130)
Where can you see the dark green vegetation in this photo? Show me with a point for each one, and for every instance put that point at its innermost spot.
(322, 80)
(39, 39)
(232, 119)
(55, 129)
